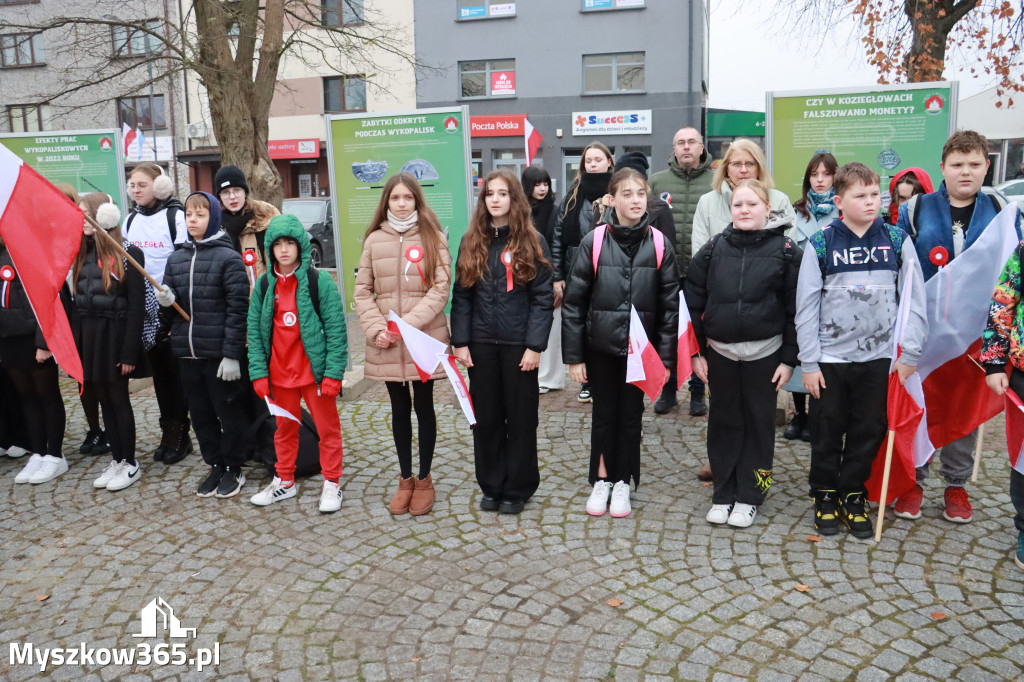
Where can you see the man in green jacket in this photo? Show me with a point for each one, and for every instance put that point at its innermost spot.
(687, 177)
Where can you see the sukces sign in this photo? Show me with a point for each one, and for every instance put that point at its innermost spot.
(629, 122)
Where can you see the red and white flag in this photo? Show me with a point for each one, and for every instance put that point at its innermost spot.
(904, 411)
(686, 346)
(459, 384)
(424, 349)
(644, 368)
(42, 230)
(958, 303)
(532, 139)
(1014, 429)
(129, 136)
(279, 411)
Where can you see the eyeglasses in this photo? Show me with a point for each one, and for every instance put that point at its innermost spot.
(232, 192)
(687, 143)
(742, 164)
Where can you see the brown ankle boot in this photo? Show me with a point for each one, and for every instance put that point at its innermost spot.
(400, 502)
(423, 497)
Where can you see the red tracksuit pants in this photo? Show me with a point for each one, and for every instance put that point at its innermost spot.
(286, 441)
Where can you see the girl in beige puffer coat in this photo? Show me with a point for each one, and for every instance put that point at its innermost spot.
(405, 267)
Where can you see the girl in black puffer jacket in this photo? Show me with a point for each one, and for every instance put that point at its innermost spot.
(741, 292)
(110, 297)
(636, 268)
(501, 316)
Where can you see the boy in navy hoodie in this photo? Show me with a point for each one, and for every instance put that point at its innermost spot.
(846, 303)
(207, 278)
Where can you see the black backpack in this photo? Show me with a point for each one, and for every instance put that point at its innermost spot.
(171, 210)
(313, 279)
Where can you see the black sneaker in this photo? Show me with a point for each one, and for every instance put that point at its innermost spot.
(854, 515)
(93, 440)
(826, 512)
(698, 405)
(584, 394)
(488, 503)
(209, 486)
(231, 483)
(796, 427)
(666, 401)
(513, 506)
(103, 446)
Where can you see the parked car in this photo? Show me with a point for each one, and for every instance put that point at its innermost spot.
(315, 216)
(1014, 191)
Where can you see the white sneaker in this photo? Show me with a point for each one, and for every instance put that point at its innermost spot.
(275, 492)
(742, 515)
(16, 451)
(125, 476)
(330, 498)
(597, 505)
(112, 470)
(49, 468)
(719, 513)
(619, 506)
(30, 469)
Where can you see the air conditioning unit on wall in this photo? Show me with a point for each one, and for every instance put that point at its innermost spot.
(198, 130)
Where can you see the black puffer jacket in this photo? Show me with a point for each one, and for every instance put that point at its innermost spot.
(487, 313)
(745, 289)
(595, 310)
(16, 316)
(126, 305)
(209, 281)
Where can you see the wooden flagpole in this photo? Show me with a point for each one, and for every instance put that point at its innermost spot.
(885, 485)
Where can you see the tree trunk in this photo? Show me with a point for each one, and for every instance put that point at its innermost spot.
(926, 59)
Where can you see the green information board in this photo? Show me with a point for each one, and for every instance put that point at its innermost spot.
(885, 127)
(364, 150)
(88, 160)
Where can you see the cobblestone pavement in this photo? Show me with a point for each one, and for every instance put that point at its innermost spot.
(290, 594)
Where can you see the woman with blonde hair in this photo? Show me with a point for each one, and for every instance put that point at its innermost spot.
(744, 160)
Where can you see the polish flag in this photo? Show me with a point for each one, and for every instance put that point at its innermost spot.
(533, 140)
(141, 139)
(424, 349)
(129, 136)
(459, 384)
(1014, 429)
(644, 368)
(279, 411)
(958, 302)
(904, 411)
(42, 230)
(687, 344)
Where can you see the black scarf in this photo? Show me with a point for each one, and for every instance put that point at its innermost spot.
(159, 206)
(540, 212)
(628, 238)
(233, 224)
(592, 187)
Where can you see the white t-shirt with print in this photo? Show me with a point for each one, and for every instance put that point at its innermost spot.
(150, 234)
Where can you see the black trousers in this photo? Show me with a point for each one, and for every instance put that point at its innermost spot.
(617, 419)
(1017, 478)
(217, 408)
(38, 393)
(505, 400)
(170, 396)
(118, 416)
(13, 429)
(848, 424)
(741, 428)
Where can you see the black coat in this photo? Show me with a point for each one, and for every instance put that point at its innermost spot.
(209, 281)
(16, 316)
(595, 310)
(745, 290)
(487, 313)
(126, 305)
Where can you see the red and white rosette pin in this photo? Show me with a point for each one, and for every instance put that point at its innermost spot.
(413, 256)
(939, 256)
(506, 258)
(249, 258)
(7, 276)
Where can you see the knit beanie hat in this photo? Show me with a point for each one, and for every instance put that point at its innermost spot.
(229, 176)
(635, 160)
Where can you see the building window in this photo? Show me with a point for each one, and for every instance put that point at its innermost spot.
(335, 13)
(135, 112)
(22, 49)
(613, 73)
(597, 5)
(28, 118)
(487, 78)
(345, 93)
(134, 42)
(485, 9)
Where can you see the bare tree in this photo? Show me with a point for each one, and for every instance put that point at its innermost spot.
(235, 48)
(912, 40)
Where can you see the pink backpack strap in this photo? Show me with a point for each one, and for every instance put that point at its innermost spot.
(659, 244)
(598, 243)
